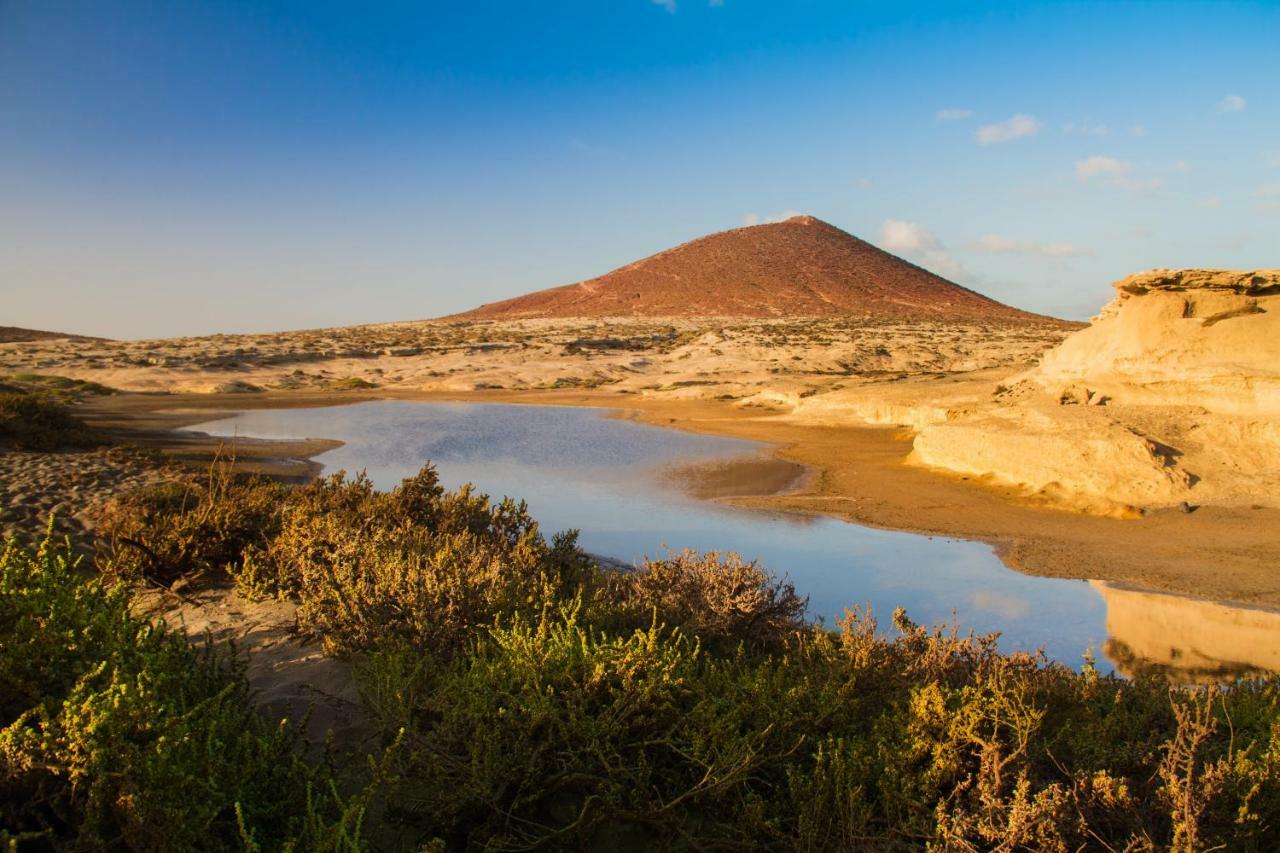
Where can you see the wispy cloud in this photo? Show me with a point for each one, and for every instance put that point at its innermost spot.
(1085, 128)
(1098, 165)
(586, 148)
(1272, 159)
(1138, 130)
(1209, 202)
(670, 5)
(953, 114)
(1232, 104)
(1014, 127)
(919, 244)
(997, 244)
(1116, 172)
(1268, 196)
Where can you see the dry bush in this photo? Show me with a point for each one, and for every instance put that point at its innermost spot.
(197, 524)
(716, 597)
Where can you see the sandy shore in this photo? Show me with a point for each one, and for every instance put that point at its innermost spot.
(856, 473)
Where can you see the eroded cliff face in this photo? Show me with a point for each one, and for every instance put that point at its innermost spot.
(1203, 338)
(1171, 396)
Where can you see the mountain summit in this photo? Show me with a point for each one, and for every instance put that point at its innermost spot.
(802, 267)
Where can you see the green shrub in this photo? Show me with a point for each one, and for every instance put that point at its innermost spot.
(417, 564)
(35, 421)
(116, 733)
(552, 734)
(541, 701)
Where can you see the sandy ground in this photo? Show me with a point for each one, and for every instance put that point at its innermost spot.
(67, 488)
(289, 672)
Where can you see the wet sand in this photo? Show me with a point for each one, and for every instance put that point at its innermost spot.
(856, 473)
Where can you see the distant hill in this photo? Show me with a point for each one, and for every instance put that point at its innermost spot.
(13, 334)
(802, 267)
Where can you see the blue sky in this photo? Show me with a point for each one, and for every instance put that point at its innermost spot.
(188, 167)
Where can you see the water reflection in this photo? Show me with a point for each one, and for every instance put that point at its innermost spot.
(580, 468)
(1189, 640)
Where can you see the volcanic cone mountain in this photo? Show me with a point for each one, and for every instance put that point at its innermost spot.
(802, 267)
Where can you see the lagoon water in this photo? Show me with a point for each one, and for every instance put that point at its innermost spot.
(581, 468)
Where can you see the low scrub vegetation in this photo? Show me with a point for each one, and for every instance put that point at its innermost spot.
(63, 387)
(532, 699)
(40, 421)
(119, 734)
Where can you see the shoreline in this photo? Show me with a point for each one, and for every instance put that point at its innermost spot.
(855, 473)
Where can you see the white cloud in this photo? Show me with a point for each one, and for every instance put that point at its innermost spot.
(669, 5)
(1011, 128)
(1098, 165)
(953, 114)
(1182, 167)
(1085, 128)
(1267, 191)
(1232, 104)
(862, 183)
(1138, 130)
(1272, 159)
(897, 235)
(919, 244)
(1209, 202)
(757, 219)
(996, 244)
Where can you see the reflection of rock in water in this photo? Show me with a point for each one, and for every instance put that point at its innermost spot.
(1187, 639)
(742, 476)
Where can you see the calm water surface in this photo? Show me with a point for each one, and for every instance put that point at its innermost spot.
(580, 468)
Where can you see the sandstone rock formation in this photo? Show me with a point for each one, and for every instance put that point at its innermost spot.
(1171, 396)
(1204, 338)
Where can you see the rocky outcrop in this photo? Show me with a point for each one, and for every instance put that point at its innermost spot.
(1203, 338)
(1170, 397)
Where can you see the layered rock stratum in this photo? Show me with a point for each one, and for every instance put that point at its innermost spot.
(802, 267)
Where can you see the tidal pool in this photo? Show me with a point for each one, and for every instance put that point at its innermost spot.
(609, 478)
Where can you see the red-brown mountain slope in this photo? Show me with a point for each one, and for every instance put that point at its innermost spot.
(14, 334)
(802, 267)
